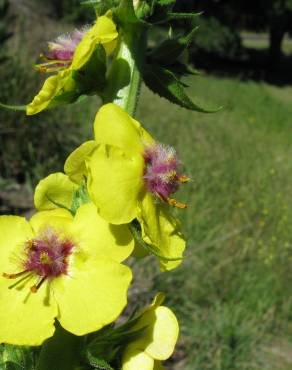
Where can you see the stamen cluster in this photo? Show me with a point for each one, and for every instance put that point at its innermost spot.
(162, 170)
(64, 46)
(47, 256)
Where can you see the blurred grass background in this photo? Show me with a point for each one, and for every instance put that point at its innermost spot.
(232, 294)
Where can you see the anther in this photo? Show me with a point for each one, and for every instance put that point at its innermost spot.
(14, 276)
(183, 179)
(174, 203)
(36, 287)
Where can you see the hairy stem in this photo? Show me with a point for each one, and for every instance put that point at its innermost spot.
(124, 78)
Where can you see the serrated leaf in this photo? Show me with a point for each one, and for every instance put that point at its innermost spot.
(164, 83)
(170, 50)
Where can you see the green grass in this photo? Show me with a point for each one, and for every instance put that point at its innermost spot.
(233, 292)
(261, 41)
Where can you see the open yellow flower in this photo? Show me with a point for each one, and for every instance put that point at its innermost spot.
(158, 341)
(130, 176)
(68, 54)
(57, 266)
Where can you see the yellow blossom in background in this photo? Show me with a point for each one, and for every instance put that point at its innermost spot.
(68, 54)
(158, 341)
(57, 266)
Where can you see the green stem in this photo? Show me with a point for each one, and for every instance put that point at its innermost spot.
(124, 78)
(60, 352)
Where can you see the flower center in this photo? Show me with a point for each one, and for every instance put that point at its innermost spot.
(162, 174)
(61, 51)
(46, 257)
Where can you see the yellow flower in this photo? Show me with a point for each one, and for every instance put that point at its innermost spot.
(129, 176)
(57, 266)
(102, 32)
(158, 341)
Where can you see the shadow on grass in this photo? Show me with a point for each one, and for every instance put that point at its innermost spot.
(252, 64)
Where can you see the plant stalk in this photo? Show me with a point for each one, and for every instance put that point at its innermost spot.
(124, 78)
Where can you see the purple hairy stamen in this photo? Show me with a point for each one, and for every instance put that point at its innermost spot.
(162, 174)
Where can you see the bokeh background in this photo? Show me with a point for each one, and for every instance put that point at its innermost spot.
(233, 292)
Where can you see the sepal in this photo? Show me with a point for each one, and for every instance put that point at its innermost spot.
(91, 77)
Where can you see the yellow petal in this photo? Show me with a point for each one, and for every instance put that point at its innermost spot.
(99, 238)
(92, 295)
(26, 318)
(115, 127)
(104, 32)
(75, 166)
(59, 219)
(135, 359)
(50, 89)
(58, 188)
(14, 232)
(164, 335)
(161, 334)
(115, 183)
(162, 230)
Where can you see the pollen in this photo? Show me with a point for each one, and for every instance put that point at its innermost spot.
(162, 173)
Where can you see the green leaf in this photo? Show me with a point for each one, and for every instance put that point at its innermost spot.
(17, 357)
(163, 82)
(13, 107)
(98, 363)
(91, 77)
(170, 50)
